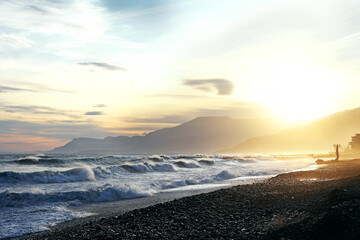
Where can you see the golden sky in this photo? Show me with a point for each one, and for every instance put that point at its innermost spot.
(106, 68)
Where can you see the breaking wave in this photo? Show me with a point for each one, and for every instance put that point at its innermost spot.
(73, 175)
(103, 193)
(29, 159)
(147, 167)
(187, 164)
(223, 175)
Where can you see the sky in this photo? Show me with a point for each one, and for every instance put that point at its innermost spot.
(100, 68)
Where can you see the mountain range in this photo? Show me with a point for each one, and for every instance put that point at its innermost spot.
(203, 134)
(211, 134)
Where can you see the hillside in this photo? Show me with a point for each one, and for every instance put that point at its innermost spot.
(317, 136)
(203, 134)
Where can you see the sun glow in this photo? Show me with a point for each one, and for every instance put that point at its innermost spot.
(296, 90)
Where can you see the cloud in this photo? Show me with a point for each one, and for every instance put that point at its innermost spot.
(37, 110)
(95, 113)
(37, 9)
(13, 89)
(14, 42)
(39, 88)
(222, 86)
(103, 65)
(100, 105)
(57, 129)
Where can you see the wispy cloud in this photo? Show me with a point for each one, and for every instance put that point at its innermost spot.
(103, 65)
(31, 88)
(62, 130)
(37, 9)
(95, 113)
(37, 110)
(13, 89)
(222, 86)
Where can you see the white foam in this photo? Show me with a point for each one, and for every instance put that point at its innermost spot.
(39, 219)
(224, 175)
(100, 170)
(109, 192)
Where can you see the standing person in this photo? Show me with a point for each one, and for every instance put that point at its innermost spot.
(337, 152)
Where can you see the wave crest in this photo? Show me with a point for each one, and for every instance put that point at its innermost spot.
(72, 175)
(147, 167)
(103, 193)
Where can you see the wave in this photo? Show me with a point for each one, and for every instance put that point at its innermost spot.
(240, 160)
(65, 160)
(187, 164)
(103, 193)
(158, 158)
(206, 162)
(46, 161)
(73, 175)
(126, 157)
(190, 156)
(223, 175)
(29, 159)
(147, 167)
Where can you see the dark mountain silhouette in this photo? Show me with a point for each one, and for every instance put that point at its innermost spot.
(203, 134)
(317, 136)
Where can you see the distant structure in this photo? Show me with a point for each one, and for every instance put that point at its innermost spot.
(355, 143)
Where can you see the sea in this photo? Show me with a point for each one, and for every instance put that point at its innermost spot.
(39, 191)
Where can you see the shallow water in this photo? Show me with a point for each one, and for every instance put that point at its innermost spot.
(39, 191)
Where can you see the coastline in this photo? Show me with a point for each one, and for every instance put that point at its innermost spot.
(316, 204)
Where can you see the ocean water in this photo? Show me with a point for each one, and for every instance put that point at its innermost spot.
(38, 191)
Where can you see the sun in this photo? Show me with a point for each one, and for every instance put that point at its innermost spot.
(296, 90)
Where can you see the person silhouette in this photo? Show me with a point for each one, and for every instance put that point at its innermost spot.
(337, 152)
